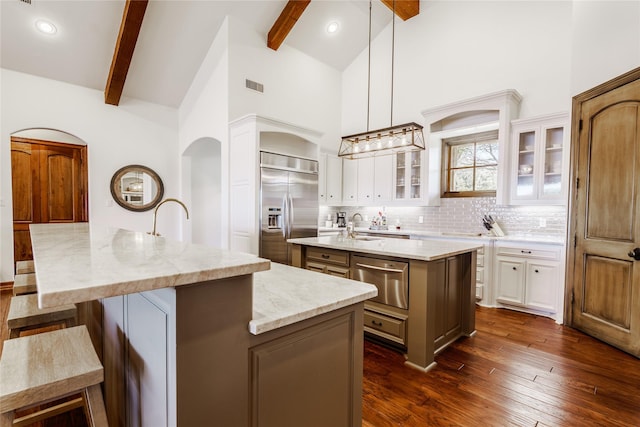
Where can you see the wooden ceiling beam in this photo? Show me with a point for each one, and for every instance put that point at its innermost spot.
(285, 22)
(125, 44)
(405, 9)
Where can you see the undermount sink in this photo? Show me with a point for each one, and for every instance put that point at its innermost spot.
(367, 238)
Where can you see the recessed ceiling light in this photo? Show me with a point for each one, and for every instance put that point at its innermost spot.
(46, 27)
(332, 27)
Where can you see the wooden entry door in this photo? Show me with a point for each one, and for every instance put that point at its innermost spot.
(49, 182)
(606, 213)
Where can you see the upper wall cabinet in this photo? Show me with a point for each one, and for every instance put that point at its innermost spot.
(367, 181)
(539, 160)
(410, 178)
(330, 180)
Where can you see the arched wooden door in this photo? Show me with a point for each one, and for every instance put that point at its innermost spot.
(605, 285)
(49, 182)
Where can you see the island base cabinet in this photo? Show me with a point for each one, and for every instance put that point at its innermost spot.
(184, 356)
(441, 306)
(309, 377)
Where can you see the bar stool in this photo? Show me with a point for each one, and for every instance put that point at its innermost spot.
(23, 267)
(41, 368)
(24, 314)
(24, 284)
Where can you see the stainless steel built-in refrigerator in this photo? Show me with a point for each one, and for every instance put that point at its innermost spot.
(289, 203)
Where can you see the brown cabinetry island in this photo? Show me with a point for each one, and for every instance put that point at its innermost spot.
(440, 288)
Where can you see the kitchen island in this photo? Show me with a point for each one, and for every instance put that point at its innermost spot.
(191, 335)
(435, 306)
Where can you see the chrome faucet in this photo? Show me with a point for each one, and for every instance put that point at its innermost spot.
(155, 213)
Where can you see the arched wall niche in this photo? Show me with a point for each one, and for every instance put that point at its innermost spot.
(202, 191)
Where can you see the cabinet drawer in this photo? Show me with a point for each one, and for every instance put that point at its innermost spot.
(338, 271)
(315, 266)
(530, 252)
(328, 255)
(388, 325)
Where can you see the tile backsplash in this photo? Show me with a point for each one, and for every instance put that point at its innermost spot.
(465, 215)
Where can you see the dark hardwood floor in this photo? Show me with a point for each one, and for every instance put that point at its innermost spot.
(518, 370)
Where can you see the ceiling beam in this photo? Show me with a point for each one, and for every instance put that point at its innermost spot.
(405, 9)
(125, 44)
(285, 22)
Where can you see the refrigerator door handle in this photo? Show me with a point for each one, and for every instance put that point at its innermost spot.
(285, 216)
(290, 215)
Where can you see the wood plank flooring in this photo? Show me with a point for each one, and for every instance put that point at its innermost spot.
(518, 370)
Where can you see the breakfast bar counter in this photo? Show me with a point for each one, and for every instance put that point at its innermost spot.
(192, 335)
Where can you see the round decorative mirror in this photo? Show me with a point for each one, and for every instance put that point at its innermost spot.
(136, 188)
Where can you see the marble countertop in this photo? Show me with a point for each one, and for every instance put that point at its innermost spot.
(425, 250)
(80, 262)
(286, 295)
(525, 238)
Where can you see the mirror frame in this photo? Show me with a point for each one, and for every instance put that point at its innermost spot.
(116, 191)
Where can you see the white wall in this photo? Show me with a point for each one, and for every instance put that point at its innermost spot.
(297, 88)
(606, 41)
(204, 115)
(455, 50)
(134, 132)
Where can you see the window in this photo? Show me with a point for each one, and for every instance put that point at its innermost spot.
(470, 165)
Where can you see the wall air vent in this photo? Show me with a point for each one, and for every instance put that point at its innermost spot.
(25, 1)
(258, 87)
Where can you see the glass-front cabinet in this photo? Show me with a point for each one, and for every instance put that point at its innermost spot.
(538, 167)
(409, 176)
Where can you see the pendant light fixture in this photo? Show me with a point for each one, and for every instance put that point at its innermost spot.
(398, 138)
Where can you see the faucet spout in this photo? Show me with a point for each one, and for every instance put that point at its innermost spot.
(155, 212)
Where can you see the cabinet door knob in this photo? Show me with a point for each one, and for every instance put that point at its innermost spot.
(514, 269)
(537, 271)
(635, 254)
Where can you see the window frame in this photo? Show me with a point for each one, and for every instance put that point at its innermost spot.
(448, 144)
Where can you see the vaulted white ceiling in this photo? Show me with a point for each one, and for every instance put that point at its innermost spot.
(174, 38)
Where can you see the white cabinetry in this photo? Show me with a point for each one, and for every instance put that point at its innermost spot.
(139, 347)
(383, 179)
(350, 182)
(366, 172)
(367, 181)
(539, 160)
(529, 276)
(330, 180)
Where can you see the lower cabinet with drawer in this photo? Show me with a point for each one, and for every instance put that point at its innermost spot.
(386, 322)
(328, 261)
(529, 276)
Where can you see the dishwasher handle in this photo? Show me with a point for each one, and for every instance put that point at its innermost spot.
(375, 267)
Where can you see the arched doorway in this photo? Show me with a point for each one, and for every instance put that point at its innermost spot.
(202, 185)
(49, 182)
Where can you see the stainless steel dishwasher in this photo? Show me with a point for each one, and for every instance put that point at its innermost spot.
(390, 277)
